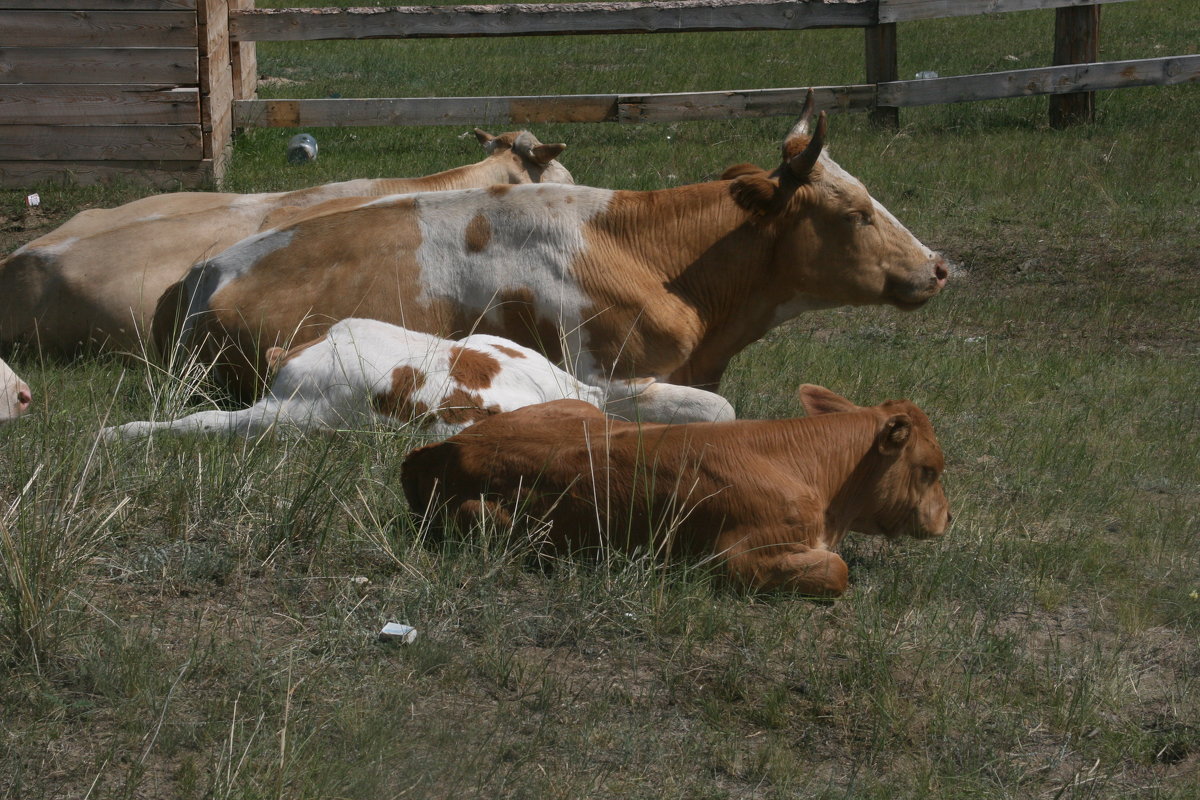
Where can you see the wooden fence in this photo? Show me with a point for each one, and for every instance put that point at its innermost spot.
(153, 88)
(1076, 37)
(95, 90)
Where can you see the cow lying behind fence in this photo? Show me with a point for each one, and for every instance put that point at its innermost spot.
(15, 397)
(772, 499)
(98, 277)
(366, 372)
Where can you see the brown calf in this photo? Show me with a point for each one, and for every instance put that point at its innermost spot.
(772, 499)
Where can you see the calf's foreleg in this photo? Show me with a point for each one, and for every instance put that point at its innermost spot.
(795, 568)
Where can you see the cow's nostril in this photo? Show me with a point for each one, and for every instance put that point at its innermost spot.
(24, 398)
(940, 272)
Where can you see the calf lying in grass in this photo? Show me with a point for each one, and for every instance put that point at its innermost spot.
(772, 499)
(15, 397)
(366, 372)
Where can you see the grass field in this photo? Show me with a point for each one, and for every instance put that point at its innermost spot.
(189, 618)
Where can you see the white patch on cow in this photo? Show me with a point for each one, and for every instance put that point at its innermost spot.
(54, 249)
(835, 170)
(253, 200)
(536, 233)
(207, 278)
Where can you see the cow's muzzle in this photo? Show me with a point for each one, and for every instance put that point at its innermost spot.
(924, 284)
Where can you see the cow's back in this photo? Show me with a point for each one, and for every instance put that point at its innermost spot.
(596, 480)
(445, 263)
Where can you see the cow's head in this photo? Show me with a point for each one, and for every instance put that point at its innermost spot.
(836, 245)
(15, 397)
(527, 160)
(899, 484)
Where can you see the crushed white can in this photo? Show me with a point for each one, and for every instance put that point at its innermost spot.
(398, 632)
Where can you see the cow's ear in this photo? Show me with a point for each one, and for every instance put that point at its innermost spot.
(545, 153)
(483, 136)
(756, 193)
(738, 170)
(275, 357)
(819, 400)
(895, 434)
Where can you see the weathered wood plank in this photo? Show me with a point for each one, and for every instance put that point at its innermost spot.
(546, 19)
(1166, 71)
(216, 78)
(540, 109)
(882, 66)
(101, 142)
(176, 65)
(100, 28)
(98, 5)
(92, 104)
(908, 10)
(747, 104)
(163, 175)
(245, 60)
(1076, 41)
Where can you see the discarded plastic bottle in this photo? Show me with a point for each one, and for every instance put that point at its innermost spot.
(925, 74)
(301, 149)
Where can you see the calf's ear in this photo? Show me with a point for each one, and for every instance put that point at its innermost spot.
(545, 153)
(895, 434)
(275, 357)
(819, 400)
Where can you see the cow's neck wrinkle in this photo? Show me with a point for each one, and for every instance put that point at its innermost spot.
(679, 234)
(707, 252)
(831, 452)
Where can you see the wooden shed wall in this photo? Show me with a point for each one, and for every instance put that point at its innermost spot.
(97, 90)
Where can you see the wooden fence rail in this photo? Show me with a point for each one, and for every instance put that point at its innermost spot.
(882, 93)
(151, 89)
(694, 106)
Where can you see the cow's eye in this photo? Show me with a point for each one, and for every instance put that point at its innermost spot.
(858, 218)
(929, 474)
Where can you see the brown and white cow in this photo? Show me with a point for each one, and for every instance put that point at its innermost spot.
(15, 397)
(667, 284)
(364, 372)
(769, 499)
(98, 277)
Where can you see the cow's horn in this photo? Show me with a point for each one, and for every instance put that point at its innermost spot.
(802, 163)
(801, 126)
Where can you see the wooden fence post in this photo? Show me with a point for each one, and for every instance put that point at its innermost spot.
(244, 60)
(882, 67)
(1076, 41)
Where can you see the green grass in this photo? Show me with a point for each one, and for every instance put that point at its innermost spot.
(183, 617)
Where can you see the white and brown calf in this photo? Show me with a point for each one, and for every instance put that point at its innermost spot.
(15, 397)
(364, 372)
